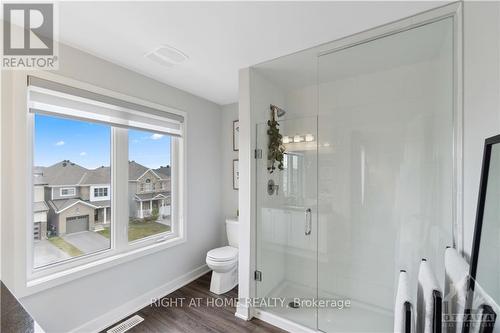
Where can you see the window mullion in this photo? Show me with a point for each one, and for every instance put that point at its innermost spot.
(119, 189)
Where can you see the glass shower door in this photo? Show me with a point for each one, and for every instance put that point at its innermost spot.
(385, 171)
(286, 216)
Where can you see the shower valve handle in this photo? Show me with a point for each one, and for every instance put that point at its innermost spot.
(308, 222)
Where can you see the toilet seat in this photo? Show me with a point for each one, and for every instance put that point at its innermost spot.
(223, 254)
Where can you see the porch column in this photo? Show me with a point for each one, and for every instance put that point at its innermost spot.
(150, 207)
(105, 215)
(140, 210)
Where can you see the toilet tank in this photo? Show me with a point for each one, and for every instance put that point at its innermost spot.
(232, 231)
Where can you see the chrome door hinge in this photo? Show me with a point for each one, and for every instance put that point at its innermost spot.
(258, 153)
(258, 276)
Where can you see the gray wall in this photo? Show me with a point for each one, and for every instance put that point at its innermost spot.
(85, 299)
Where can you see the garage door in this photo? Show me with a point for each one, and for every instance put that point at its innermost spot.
(77, 223)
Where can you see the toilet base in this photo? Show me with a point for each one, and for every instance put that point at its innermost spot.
(223, 282)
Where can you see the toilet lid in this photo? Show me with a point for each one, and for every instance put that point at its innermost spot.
(223, 253)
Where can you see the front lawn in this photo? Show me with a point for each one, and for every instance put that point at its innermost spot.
(65, 246)
(139, 229)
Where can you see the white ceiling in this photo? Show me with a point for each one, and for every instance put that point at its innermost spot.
(219, 37)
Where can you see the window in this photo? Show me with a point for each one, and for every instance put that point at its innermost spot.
(68, 152)
(149, 153)
(67, 191)
(147, 186)
(87, 147)
(100, 192)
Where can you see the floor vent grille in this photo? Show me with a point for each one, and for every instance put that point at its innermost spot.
(126, 325)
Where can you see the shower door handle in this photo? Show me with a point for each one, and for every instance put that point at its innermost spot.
(308, 222)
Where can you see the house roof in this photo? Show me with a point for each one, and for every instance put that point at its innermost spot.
(102, 204)
(69, 173)
(63, 204)
(151, 196)
(100, 175)
(40, 206)
(38, 178)
(64, 173)
(163, 172)
(135, 170)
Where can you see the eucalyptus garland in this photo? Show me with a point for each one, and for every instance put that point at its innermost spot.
(276, 147)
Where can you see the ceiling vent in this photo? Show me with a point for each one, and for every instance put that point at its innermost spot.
(167, 56)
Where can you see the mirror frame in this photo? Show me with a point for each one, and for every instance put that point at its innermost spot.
(483, 184)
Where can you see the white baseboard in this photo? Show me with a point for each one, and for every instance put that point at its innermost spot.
(282, 323)
(119, 313)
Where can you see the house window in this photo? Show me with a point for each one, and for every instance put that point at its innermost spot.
(67, 191)
(146, 187)
(78, 145)
(100, 192)
(150, 152)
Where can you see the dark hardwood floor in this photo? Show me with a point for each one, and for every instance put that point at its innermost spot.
(200, 311)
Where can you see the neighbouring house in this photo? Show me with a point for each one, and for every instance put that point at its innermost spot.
(40, 208)
(151, 190)
(76, 199)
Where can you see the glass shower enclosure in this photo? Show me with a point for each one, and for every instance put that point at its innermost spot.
(368, 184)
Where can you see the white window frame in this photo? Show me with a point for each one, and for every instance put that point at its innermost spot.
(104, 191)
(99, 198)
(121, 251)
(67, 189)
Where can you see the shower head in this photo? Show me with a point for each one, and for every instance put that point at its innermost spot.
(279, 111)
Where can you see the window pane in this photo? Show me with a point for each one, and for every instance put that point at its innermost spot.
(70, 158)
(149, 184)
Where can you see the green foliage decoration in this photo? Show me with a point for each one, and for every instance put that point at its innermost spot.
(276, 149)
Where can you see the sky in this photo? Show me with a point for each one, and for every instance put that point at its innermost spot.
(89, 144)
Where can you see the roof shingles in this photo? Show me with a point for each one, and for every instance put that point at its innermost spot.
(69, 173)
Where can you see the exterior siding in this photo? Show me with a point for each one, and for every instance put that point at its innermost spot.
(38, 193)
(56, 192)
(155, 182)
(40, 217)
(48, 193)
(85, 192)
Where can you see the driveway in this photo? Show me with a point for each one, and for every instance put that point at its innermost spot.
(46, 253)
(87, 241)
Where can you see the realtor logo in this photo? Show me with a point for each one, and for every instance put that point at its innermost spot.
(28, 36)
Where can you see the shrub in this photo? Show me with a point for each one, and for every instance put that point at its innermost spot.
(155, 214)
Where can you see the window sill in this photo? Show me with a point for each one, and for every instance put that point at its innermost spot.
(39, 284)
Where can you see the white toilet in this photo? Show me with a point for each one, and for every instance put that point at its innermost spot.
(224, 261)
